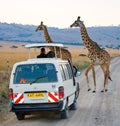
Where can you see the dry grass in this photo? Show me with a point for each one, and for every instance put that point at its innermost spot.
(80, 59)
(9, 56)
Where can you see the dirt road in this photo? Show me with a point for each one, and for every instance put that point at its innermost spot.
(94, 109)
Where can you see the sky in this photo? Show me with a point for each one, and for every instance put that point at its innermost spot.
(60, 13)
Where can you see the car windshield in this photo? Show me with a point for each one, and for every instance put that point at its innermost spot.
(35, 73)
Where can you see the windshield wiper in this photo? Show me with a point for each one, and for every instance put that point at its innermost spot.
(36, 79)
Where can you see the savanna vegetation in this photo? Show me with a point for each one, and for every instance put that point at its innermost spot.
(11, 53)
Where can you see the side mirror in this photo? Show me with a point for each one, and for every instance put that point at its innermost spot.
(78, 73)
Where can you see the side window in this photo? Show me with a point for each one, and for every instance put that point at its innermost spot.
(69, 71)
(66, 71)
(62, 72)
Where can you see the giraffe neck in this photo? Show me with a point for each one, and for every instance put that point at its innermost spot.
(85, 37)
(47, 36)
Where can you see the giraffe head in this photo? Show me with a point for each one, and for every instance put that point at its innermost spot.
(77, 23)
(40, 27)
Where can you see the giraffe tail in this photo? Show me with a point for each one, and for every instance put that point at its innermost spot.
(109, 78)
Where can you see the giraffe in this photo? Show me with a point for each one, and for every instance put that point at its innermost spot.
(65, 53)
(96, 55)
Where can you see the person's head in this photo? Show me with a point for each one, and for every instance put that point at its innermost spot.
(43, 50)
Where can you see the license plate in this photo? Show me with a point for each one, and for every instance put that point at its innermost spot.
(36, 95)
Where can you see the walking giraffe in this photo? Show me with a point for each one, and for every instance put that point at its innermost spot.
(65, 53)
(95, 54)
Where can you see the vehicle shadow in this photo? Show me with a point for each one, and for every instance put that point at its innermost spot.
(47, 115)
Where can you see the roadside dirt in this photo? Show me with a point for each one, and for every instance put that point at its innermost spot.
(94, 109)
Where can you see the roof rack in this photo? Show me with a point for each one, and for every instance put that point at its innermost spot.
(39, 45)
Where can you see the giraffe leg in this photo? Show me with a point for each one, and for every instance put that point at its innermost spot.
(86, 73)
(107, 77)
(106, 81)
(105, 69)
(94, 78)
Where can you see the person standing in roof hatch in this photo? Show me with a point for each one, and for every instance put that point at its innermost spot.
(43, 54)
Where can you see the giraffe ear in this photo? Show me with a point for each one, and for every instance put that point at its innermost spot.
(78, 18)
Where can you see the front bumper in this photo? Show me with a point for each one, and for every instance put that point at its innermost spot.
(34, 107)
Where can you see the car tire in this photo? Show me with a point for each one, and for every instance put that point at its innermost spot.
(20, 116)
(73, 106)
(64, 114)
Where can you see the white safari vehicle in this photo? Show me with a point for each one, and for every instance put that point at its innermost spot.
(43, 84)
